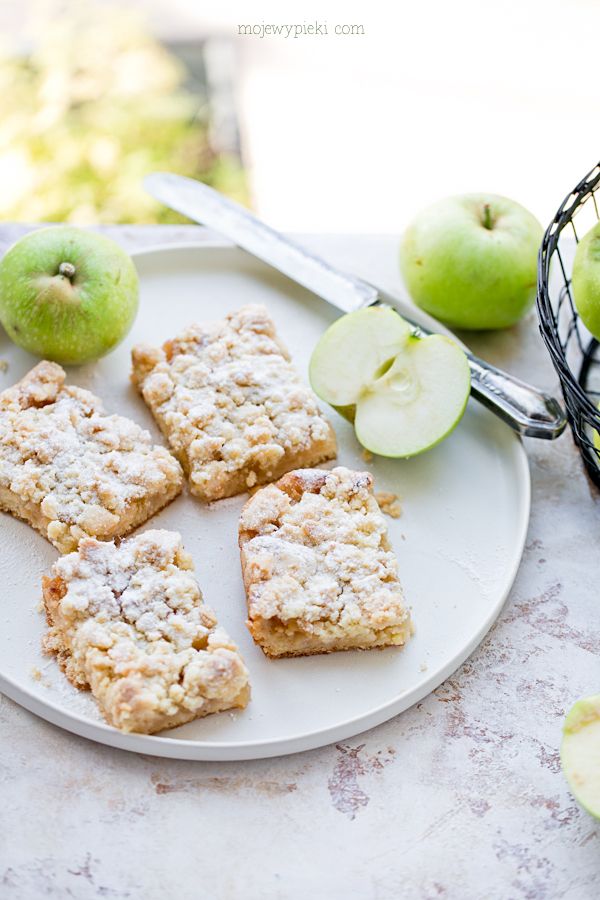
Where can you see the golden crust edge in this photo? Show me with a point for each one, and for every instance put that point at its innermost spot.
(289, 479)
(53, 590)
(315, 454)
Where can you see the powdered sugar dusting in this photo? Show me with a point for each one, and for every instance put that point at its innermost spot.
(315, 555)
(231, 404)
(71, 469)
(129, 622)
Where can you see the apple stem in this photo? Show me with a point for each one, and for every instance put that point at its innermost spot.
(67, 270)
(487, 217)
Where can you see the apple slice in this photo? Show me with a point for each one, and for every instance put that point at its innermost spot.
(417, 401)
(580, 753)
(353, 349)
(404, 393)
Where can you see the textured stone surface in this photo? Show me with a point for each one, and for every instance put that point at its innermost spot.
(459, 797)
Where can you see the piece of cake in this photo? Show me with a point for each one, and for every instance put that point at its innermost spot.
(71, 470)
(128, 622)
(318, 569)
(231, 404)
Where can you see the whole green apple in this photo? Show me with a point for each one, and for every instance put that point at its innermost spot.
(585, 280)
(472, 260)
(67, 294)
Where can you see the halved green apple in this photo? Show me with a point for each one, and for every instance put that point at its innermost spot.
(580, 753)
(403, 393)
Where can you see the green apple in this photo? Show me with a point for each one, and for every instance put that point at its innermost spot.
(595, 434)
(67, 294)
(403, 393)
(585, 280)
(471, 261)
(580, 752)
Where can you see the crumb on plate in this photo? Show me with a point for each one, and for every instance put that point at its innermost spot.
(389, 504)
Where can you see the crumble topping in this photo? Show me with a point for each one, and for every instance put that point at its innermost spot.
(136, 630)
(389, 504)
(230, 402)
(83, 469)
(315, 550)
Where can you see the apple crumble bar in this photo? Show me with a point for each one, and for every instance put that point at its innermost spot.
(71, 470)
(128, 622)
(318, 569)
(231, 404)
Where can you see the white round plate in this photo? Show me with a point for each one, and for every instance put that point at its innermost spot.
(459, 541)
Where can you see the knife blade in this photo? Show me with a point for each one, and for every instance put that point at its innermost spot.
(526, 409)
(201, 203)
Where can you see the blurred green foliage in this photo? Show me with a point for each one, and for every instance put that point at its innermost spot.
(93, 107)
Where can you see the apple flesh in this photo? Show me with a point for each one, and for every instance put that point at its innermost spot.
(471, 260)
(585, 280)
(403, 393)
(67, 294)
(580, 753)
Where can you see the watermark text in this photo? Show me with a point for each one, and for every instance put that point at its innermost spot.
(299, 30)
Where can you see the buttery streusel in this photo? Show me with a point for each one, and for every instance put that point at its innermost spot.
(128, 622)
(71, 470)
(231, 404)
(318, 568)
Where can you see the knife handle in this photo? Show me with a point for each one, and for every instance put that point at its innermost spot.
(529, 411)
(526, 409)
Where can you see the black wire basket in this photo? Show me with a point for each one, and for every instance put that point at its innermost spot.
(573, 350)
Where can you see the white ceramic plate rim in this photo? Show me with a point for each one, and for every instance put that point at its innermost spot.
(177, 748)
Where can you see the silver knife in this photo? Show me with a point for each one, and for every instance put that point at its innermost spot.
(526, 409)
